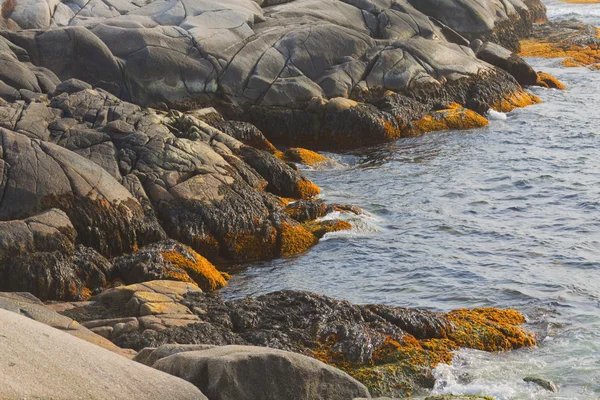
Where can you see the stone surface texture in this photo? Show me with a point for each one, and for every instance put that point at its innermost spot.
(39, 361)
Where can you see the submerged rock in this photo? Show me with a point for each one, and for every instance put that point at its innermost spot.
(392, 350)
(544, 383)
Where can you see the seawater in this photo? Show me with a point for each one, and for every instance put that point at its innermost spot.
(504, 216)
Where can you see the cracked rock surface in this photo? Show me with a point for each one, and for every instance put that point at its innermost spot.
(253, 57)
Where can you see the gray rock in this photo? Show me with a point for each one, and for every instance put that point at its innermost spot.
(71, 86)
(286, 53)
(149, 356)
(544, 383)
(42, 362)
(245, 372)
(29, 306)
(508, 61)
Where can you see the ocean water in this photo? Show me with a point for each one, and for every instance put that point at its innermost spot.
(505, 216)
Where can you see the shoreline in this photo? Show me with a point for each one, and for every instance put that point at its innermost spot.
(220, 187)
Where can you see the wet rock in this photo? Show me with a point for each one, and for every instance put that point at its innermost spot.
(308, 158)
(322, 227)
(544, 383)
(41, 362)
(307, 210)
(238, 372)
(453, 118)
(548, 81)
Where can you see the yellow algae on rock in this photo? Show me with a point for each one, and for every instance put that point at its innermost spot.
(548, 81)
(452, 118)
(195, 269)
(248, 246)
(401, 364)
(295, 239)
(390, 131)
(306, 157)
(320, 228)
(489, 329)
(305, 189)
(516, 100)
(574, 55)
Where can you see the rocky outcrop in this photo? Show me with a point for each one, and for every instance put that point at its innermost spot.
(42, 362)
(392, 350)
(575, 42)
(153, 305)
(248, 372)
(120, 180)
(306, 73)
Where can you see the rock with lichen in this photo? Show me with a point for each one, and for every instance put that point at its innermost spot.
(392, 350)
(169, 260)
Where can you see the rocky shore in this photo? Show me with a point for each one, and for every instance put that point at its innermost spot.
(145, 146)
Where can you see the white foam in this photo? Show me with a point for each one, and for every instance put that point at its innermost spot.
(491, 374)
(496, 115)
(362, 224)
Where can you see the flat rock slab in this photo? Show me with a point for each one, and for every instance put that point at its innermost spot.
(29, 306)
(42, 362)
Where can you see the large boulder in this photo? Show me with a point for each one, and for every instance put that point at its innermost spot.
(248, 373)
(41, 362)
